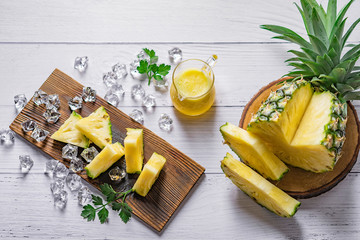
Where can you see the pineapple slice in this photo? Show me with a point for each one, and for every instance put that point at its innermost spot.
(149, 174)
(107, 157)
(258, 188)
(253, 152)
(97, 127)
(134, 150)
(68, 133)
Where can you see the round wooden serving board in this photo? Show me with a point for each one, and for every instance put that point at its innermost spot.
(304, 184)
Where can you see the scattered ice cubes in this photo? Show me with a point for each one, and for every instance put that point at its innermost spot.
(39, 134)
(88, 94)
(117, 174)
(26, 163)
(165, 122)
(84, 196)
(51, 115)
(119, 70)
(57, 186)
(137, 92)
(69, 151)
(20, 102)
(60, 199)
(53, 101)
(109, 79)
(89, 154)
(75, 103)
(115, 94)
(7, 136)
(134, 72)
(40, 97)
(50, 166)
(76, 165)
(149, 101)
(28, 125)
(175, 55)
(60, 171)
(81, 63)
(73, 181)
(137, 116)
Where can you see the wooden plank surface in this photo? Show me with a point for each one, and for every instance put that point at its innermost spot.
(38, 36)
(177, 178)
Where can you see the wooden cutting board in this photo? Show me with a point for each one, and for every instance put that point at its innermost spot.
(177, 178)
(304, 184)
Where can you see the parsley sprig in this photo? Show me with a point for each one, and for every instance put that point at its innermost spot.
(89, 212)
(151, 69)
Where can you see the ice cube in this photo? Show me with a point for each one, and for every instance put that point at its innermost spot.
(112, 98)
(40, 97)
(60, 199)
(28, 125)
(39, 134)
(20, 102)
(142, 55)
(89, 154)
(175, 55)
(137, 116)
(73, 181)
(161, 84)
(50, 166)
(109, 79)
(26, 163)
(84, 196)
(53, 101)
(165, 122)
(57, 186)
(60, 171)
(149, 101)
(119, 70)
(137, 92)
(116, 174)
(76, 165)
(134, 72)
(75, 103)
(69, 151)
(81, 63)
(51, 115)
(7, 136)
(88, 94)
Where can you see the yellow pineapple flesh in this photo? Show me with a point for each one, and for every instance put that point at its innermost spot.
(258, 188)
(134, 150)
(253, 152)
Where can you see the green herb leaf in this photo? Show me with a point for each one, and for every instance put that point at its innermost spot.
(143, 67)
(117, 206)
(158, 77)
(106, 189)
(163, 69)
(125, 213)
(103, 214)
(97, 200)
(88, 212)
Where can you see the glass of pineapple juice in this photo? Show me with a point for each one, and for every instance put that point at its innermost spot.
(192, 90)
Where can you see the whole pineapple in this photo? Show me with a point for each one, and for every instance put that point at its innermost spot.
(304, 121)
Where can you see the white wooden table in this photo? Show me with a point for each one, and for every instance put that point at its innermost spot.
(37, 37)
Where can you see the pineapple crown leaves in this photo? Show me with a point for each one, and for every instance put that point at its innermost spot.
(319, 60)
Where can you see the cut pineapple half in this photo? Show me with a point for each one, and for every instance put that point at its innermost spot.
(258, 188)
(253, 151)
(149, 174)
(134, 150)
(103, 161)
(316, 142)
(96, 127)
(68, 133)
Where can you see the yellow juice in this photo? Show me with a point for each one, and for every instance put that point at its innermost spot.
(192, 91)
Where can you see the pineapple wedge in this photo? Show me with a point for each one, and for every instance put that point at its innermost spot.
(149, 174)
(68, 133)
(258, 188)
(107, 157)
(97, 127)
(253, 152)
(134, 150)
